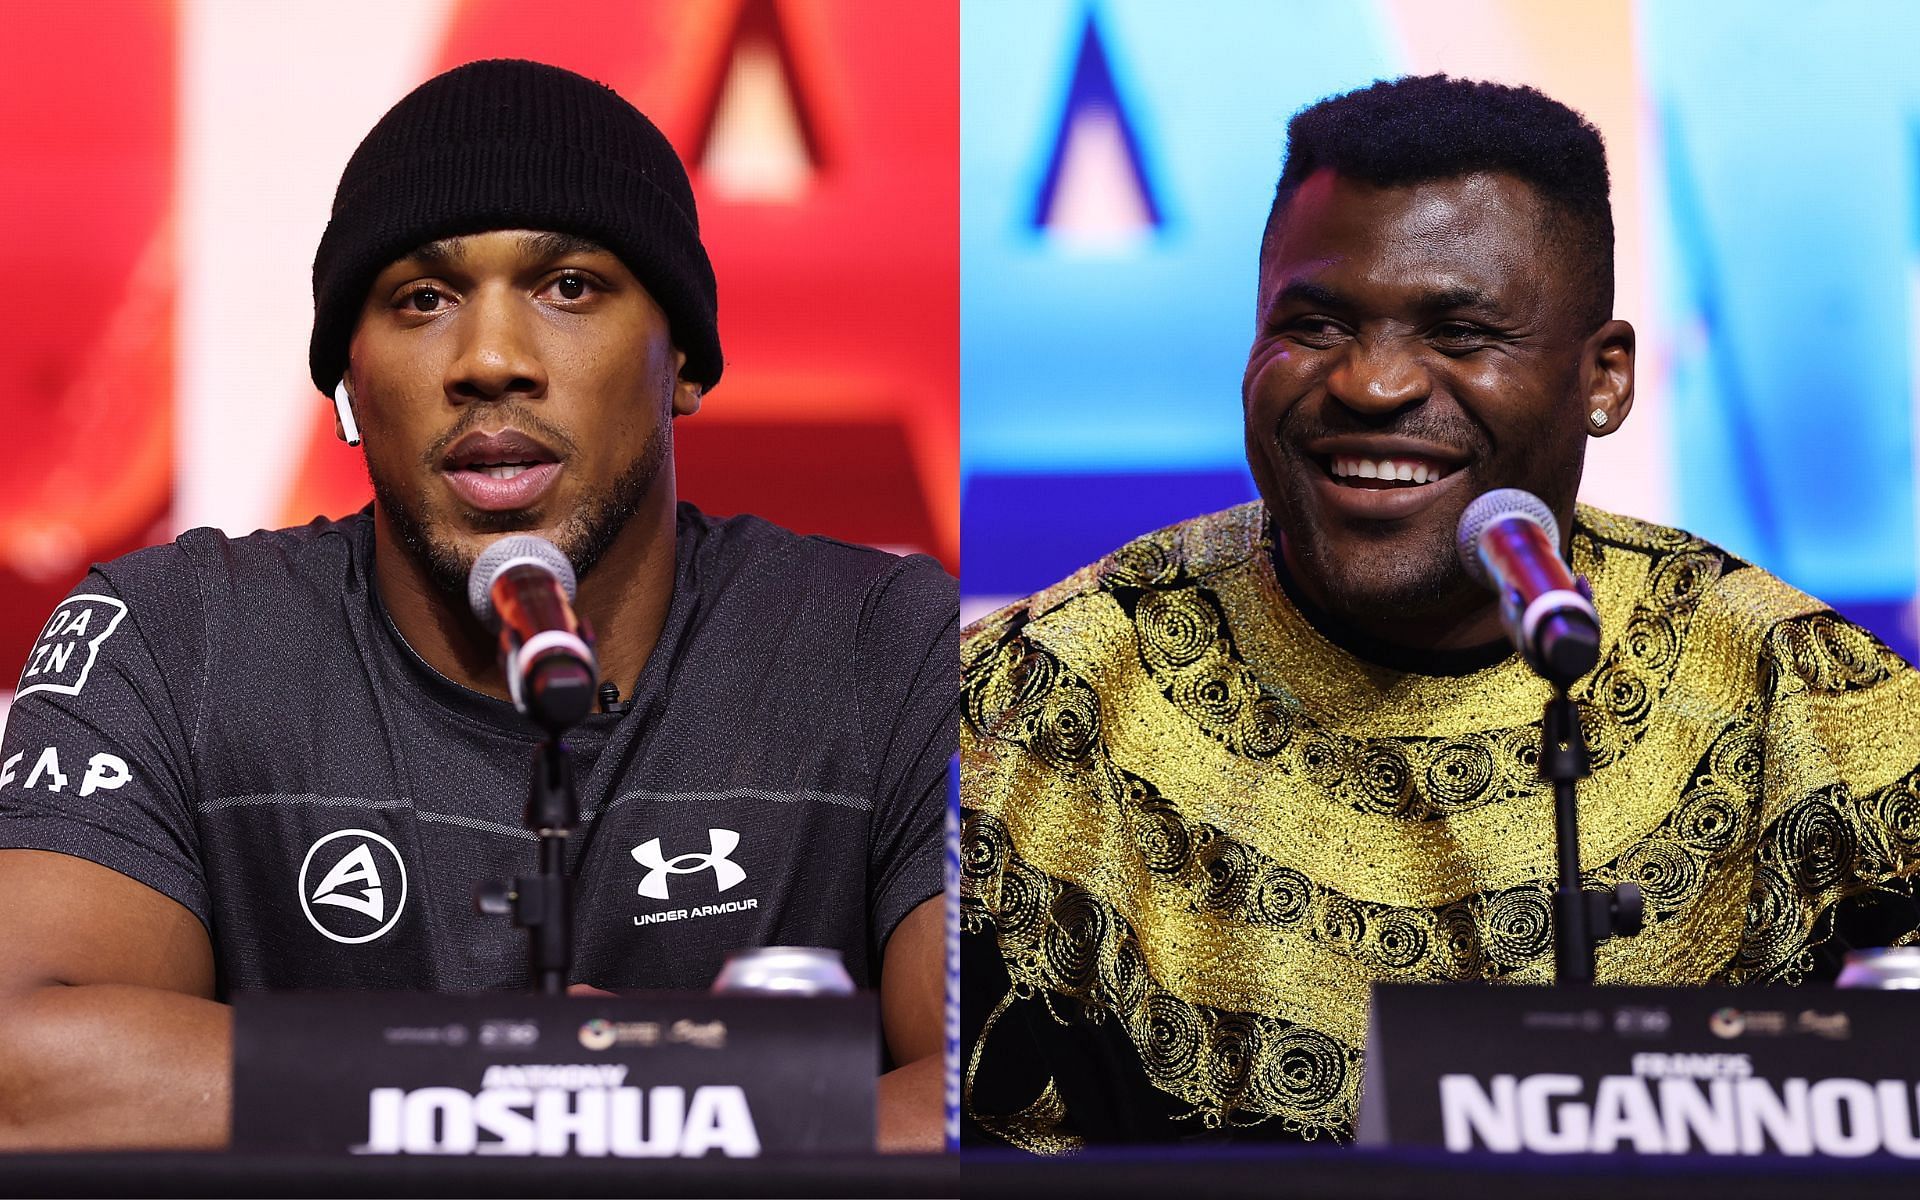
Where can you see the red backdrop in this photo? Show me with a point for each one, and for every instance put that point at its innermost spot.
(838, 306)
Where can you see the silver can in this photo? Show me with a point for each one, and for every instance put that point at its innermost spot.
(784, 971)
(1892, 969)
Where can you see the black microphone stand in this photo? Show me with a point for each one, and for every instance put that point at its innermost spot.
(1581, 919)
(1509, 541)
(523, 586)
(542, 904)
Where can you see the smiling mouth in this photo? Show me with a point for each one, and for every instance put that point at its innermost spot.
(1382, 474)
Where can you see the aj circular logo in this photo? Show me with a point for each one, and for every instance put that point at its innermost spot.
(353, 885)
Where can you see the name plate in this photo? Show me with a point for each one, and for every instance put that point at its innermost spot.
(1728, 1071)
(663, 1075)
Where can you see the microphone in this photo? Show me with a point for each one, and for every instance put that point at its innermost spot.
(523, 586)
(1509, 542)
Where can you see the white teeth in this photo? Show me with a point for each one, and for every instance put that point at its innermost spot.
(1388, 468)
(505, 471)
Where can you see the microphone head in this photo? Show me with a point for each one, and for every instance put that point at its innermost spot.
(516, 549)
(1498, 505)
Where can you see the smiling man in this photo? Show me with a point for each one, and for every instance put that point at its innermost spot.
(285, 761)
(1220, 782)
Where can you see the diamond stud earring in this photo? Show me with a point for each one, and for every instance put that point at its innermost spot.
(1599, 418)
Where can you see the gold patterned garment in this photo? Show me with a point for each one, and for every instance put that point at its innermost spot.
(1196, 830)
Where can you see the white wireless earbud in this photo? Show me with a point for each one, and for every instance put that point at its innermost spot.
(343, 404)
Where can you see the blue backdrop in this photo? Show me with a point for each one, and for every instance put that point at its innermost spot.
(1777, 148)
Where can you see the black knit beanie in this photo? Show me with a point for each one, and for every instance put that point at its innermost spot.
(505, 144)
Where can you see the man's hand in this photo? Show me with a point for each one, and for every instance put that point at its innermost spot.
(913, 1014)
(111, 1037)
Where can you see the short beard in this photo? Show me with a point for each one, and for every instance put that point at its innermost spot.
(584, 539)
(1372, 590)
(1359, 591)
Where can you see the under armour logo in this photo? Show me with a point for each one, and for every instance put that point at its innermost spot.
(725, 873)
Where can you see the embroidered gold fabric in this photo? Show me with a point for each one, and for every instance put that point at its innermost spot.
(1191, 818)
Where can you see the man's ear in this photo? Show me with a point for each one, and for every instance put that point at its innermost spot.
(686, 393)
(344, 426)
(1606, 377)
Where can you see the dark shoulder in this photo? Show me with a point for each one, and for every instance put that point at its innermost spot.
(205, 577)
(748, 558)
(320, 549)
(163, 616)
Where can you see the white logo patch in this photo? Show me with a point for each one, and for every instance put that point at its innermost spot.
(356, 867)
(105, 772)
(56, 663)
(725, 872)
(354, 883)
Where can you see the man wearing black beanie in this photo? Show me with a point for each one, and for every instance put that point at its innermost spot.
(284, 761)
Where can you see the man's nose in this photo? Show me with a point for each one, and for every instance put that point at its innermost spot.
(1380, 375)
(498, 353)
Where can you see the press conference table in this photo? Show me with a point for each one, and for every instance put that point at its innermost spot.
(1270, 1174)
(212, 1174)
(1354, 1174)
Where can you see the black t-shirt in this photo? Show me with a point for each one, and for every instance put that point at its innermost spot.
(237, 724)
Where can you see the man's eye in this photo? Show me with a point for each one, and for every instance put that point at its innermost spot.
(424, 299)
(1319, 332)
(1454, 334)
(572, 286)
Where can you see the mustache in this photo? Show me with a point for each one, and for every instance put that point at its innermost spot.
(1298, 426)
(517, 416)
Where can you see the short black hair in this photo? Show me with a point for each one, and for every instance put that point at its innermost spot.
(1421, 128)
